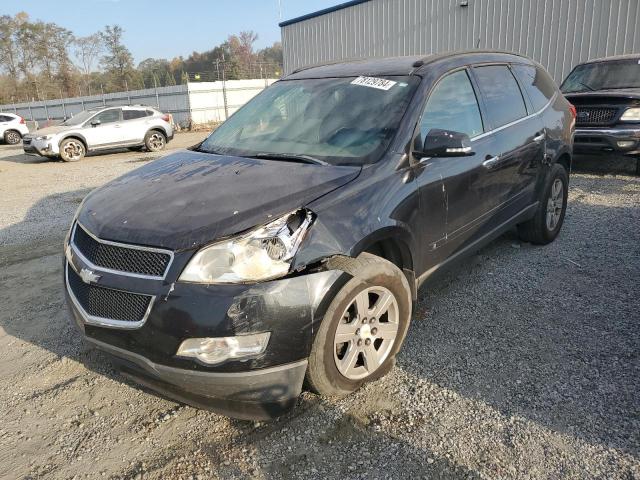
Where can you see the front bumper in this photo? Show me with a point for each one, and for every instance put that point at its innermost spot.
(605, 140)
(259, 387)
(251, 395)
(44, 148)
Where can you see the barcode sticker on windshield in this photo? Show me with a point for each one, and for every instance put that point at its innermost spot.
(373, 82)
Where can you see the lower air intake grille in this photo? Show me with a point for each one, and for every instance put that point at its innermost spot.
(108, 303)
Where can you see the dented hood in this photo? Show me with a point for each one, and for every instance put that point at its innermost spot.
(189, 198)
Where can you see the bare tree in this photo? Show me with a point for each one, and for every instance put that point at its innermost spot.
(88, 50)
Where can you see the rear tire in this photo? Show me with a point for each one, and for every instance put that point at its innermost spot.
(155, 141)
(72, 150)
(12, 137)
(363, 328)
(544, 227)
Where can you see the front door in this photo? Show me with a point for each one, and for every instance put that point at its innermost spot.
(456, 193)
(104, 130)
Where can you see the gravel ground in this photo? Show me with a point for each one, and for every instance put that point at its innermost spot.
(521, 363)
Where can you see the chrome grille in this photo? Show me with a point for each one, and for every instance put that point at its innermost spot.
(595, 115)
(106, 303)
(122, 258)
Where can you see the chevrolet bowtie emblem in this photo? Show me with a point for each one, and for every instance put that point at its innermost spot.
(88, 276)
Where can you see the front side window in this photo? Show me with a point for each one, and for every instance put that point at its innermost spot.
(347, 121)
(537, 83)
(108, 116)
(501, 93)
(611, 75)
(453, 106)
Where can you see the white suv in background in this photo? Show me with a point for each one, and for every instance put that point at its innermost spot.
(12, 128)
(102, 129)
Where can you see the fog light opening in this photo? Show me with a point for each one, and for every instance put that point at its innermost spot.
(216, 350)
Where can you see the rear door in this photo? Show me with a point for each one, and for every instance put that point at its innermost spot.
(134, 125)
(518, 138)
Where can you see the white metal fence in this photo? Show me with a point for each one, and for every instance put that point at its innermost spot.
(189, 104)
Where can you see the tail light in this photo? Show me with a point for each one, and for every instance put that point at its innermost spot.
(573, 111)
(22, 120)
(166, 118)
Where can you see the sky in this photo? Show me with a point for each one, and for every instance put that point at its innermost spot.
(166, 29)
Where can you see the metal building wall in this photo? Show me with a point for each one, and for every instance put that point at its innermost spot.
(557, 33)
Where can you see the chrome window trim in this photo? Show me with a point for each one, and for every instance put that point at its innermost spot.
(77, 251)
(515, 122)
(106, 322)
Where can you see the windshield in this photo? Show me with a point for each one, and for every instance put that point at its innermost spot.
(603, 76)
(346, 121)
(79, 118)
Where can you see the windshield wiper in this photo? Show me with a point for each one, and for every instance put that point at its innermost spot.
(288, 157)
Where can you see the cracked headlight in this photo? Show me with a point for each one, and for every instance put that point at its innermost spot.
(261, 254)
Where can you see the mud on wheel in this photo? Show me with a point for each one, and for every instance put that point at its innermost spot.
(72, 150)
(363, 329)
(155, 141)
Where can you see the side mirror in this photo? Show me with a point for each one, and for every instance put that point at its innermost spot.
(95, 123)
(445, 143)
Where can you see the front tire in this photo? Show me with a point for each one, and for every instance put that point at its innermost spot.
(155, 141)
(544, 227)
(11, 137)
(363, 328)
(72, 150)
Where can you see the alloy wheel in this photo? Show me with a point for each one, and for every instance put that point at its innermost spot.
(73, 150)
(555, 203)
(13, 138)
(156, 142)
(366, 333)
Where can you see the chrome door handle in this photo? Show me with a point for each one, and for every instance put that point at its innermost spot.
(539, 138)
(490, 161)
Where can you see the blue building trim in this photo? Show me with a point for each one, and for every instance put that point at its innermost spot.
(322, 12)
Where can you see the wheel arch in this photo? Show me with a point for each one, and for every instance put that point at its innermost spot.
(76, 136)
(12, 130)
(392, 244)
(157, 128)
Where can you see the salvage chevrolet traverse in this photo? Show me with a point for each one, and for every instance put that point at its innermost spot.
(288, 246)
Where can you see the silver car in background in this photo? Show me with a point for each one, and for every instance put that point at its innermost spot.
(102, 129)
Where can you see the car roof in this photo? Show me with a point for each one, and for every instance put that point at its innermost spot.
(402, 65)
(9, 114)
(629, 56)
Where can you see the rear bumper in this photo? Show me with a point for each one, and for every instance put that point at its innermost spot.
(256, 394)
(607, 140)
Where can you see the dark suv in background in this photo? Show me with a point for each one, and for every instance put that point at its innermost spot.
(290, 244)
(606, 94)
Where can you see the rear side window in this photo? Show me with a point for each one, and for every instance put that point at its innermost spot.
(133, 114)
(4, 118)
(502, 95)
(537, 83)
(149, 113)
(452, 106)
